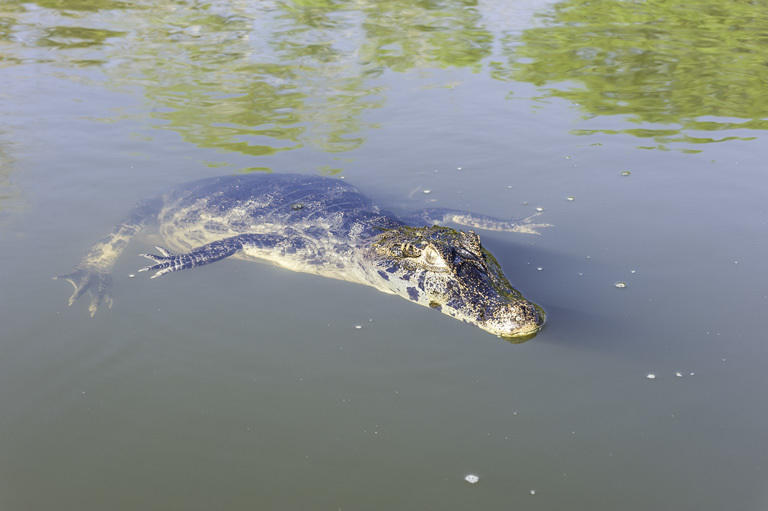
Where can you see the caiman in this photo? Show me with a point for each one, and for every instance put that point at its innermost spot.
(324, 226)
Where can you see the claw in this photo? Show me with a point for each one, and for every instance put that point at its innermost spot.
(154, 257)
(97, 284)
(80, 286)
(161, 273)
(525, 226)
(164, 262)
(163, 251)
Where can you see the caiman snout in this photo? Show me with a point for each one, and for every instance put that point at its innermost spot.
(517, 321)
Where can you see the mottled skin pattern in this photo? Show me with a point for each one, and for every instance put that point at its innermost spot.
(327, 227)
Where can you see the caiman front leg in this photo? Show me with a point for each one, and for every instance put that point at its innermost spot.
(206, 254)
(440, 216)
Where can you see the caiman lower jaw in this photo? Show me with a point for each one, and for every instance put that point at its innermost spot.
(521, 337)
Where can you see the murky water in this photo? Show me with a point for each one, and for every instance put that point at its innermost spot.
(639, 128)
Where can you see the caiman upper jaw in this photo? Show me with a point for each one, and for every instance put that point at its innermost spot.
(516, 322)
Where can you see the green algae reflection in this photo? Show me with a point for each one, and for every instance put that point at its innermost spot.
(251, 77)
(685, 72)
(263, 77)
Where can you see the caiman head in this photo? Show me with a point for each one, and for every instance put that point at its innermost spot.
(450, 271)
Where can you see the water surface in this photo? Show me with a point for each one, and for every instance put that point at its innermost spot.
(638, 128)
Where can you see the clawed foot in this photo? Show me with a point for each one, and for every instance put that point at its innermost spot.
(525, 226)
(167, 262)
(97, 284)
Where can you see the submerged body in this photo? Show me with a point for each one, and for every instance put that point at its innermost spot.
(327, 227)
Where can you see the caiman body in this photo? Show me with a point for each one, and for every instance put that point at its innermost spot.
(327, 227)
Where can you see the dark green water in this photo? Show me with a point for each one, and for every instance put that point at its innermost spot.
(243, 386)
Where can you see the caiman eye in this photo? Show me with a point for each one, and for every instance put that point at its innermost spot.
(432, 258)
(466, 254)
